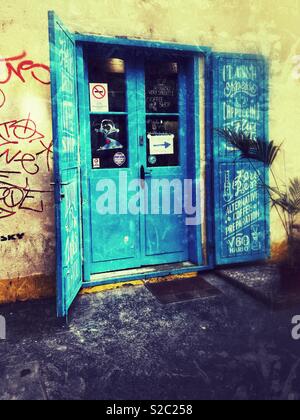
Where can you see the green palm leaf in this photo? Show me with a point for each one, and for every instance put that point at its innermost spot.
(255, 149)
(294, 193)
(264, 152)
(239, 140)
(288, 201)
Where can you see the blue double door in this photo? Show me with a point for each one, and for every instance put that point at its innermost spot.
(134, 155)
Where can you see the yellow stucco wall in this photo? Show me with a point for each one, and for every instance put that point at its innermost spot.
(270, 27)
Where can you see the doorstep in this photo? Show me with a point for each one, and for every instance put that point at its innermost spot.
(145, 273)
(261, 281)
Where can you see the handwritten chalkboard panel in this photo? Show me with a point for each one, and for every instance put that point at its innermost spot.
(242, 219)
(161, 88)
(241, 205)
(240, 90)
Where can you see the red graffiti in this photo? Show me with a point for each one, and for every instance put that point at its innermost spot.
(48, 150)
(19, 66)
(14, 131)
(2, 98)
(14, 197)
(15, 137)
(20, 133)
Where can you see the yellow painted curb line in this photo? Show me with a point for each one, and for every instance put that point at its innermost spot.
(42, 287)
(108, 287)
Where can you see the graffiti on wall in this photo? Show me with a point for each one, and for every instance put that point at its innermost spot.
(12, 237)
(15, 197)
(2, 98)
(19, 165)
(15, 137)
(21, 68)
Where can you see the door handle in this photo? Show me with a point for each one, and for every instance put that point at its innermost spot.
(143, 173)
(62, 184)
(142, 176)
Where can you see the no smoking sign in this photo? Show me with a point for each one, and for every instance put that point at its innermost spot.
(99, 92)
(99, 97)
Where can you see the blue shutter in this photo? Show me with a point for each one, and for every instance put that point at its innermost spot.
(66, 164)
(240, 98)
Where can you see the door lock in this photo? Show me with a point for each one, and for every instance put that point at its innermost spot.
(142, 141)
(144, 173)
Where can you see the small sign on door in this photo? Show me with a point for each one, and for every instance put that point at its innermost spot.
(96, 163)
(161, 144)
(99, 97)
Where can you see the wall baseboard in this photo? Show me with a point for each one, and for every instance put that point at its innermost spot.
(44, 286)
(279, 252)
(27, 288)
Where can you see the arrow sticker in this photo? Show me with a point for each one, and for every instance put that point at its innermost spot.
(165, 145)
(161, 144)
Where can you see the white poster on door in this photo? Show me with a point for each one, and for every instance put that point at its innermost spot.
(161, 144)
(99, 97)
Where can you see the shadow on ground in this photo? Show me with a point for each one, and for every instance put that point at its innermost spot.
(126, 345)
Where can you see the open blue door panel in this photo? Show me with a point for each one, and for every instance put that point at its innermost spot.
(66, 164)
(240, 98)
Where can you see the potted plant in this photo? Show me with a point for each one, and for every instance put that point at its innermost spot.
(284, 199)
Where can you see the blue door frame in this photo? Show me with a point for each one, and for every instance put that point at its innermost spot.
(191, 107)
(68, 176)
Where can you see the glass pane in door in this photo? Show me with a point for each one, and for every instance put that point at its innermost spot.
(108, 112)
(109, 139)
(162, 113)
(161, 87)
(162, 141)
(110, 73)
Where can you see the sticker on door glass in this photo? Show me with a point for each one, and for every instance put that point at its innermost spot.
(99, 97)
(110, 136)
(152, 160)
(161, 144)
(96, 163)
(119, 159)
